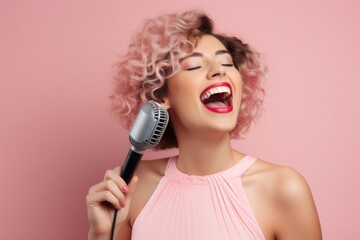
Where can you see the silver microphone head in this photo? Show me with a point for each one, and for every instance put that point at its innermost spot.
(148, 127)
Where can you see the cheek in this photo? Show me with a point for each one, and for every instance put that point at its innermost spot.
(240, 92)
(183, 90)
(238, 83)
(238, 89)
(179, 98)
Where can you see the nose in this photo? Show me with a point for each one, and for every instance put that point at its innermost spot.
(216, 70)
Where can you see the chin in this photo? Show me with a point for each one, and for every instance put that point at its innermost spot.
(224, 126)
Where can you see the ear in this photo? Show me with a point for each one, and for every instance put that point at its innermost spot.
(165, 103)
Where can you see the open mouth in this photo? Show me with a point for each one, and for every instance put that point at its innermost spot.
(217, 97)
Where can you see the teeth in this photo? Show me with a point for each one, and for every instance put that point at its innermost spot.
(221, 89)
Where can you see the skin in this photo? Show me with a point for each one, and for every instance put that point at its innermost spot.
(279, 196)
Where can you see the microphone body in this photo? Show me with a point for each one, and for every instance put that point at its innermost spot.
(146, 132)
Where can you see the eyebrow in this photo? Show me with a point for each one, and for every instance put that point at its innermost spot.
(198, 54)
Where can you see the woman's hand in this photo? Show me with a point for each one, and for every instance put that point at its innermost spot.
(101, 200)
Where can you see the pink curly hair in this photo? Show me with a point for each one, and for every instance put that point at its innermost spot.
(153, 57)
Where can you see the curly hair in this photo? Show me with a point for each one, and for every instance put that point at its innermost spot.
(154, 55)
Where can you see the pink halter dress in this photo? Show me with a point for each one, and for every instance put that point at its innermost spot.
(186, 207)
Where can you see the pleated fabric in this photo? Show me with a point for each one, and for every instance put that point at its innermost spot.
(199, 207)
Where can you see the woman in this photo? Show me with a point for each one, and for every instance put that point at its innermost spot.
(211, 86)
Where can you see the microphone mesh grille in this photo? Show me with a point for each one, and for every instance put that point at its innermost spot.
(162, 117)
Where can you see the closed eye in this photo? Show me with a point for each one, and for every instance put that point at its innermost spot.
(228, 65)
(193, 68)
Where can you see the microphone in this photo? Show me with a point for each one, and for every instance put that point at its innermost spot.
(145, 133)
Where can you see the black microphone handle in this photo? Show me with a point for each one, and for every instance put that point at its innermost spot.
(131, 163)
(127, 172)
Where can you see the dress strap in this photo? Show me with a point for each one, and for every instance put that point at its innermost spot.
(170, 166)
(246, 163)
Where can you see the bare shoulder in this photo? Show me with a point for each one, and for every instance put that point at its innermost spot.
(286, 197)
(149, 173)
(286, 183)
(151, 168)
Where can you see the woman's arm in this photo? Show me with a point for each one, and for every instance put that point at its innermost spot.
(296, 215)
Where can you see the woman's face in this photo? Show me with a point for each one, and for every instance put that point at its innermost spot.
(206, 93)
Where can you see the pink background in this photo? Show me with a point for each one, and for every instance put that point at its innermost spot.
(57, 137)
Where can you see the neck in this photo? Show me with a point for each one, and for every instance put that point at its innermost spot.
(205, 155)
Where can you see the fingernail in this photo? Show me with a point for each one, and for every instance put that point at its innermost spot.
(125, 188)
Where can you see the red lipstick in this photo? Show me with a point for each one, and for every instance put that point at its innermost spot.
(217, 97)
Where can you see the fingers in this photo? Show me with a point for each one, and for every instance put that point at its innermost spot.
(104, 196)
(112, 189)
(113, 175)
(106, 188)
